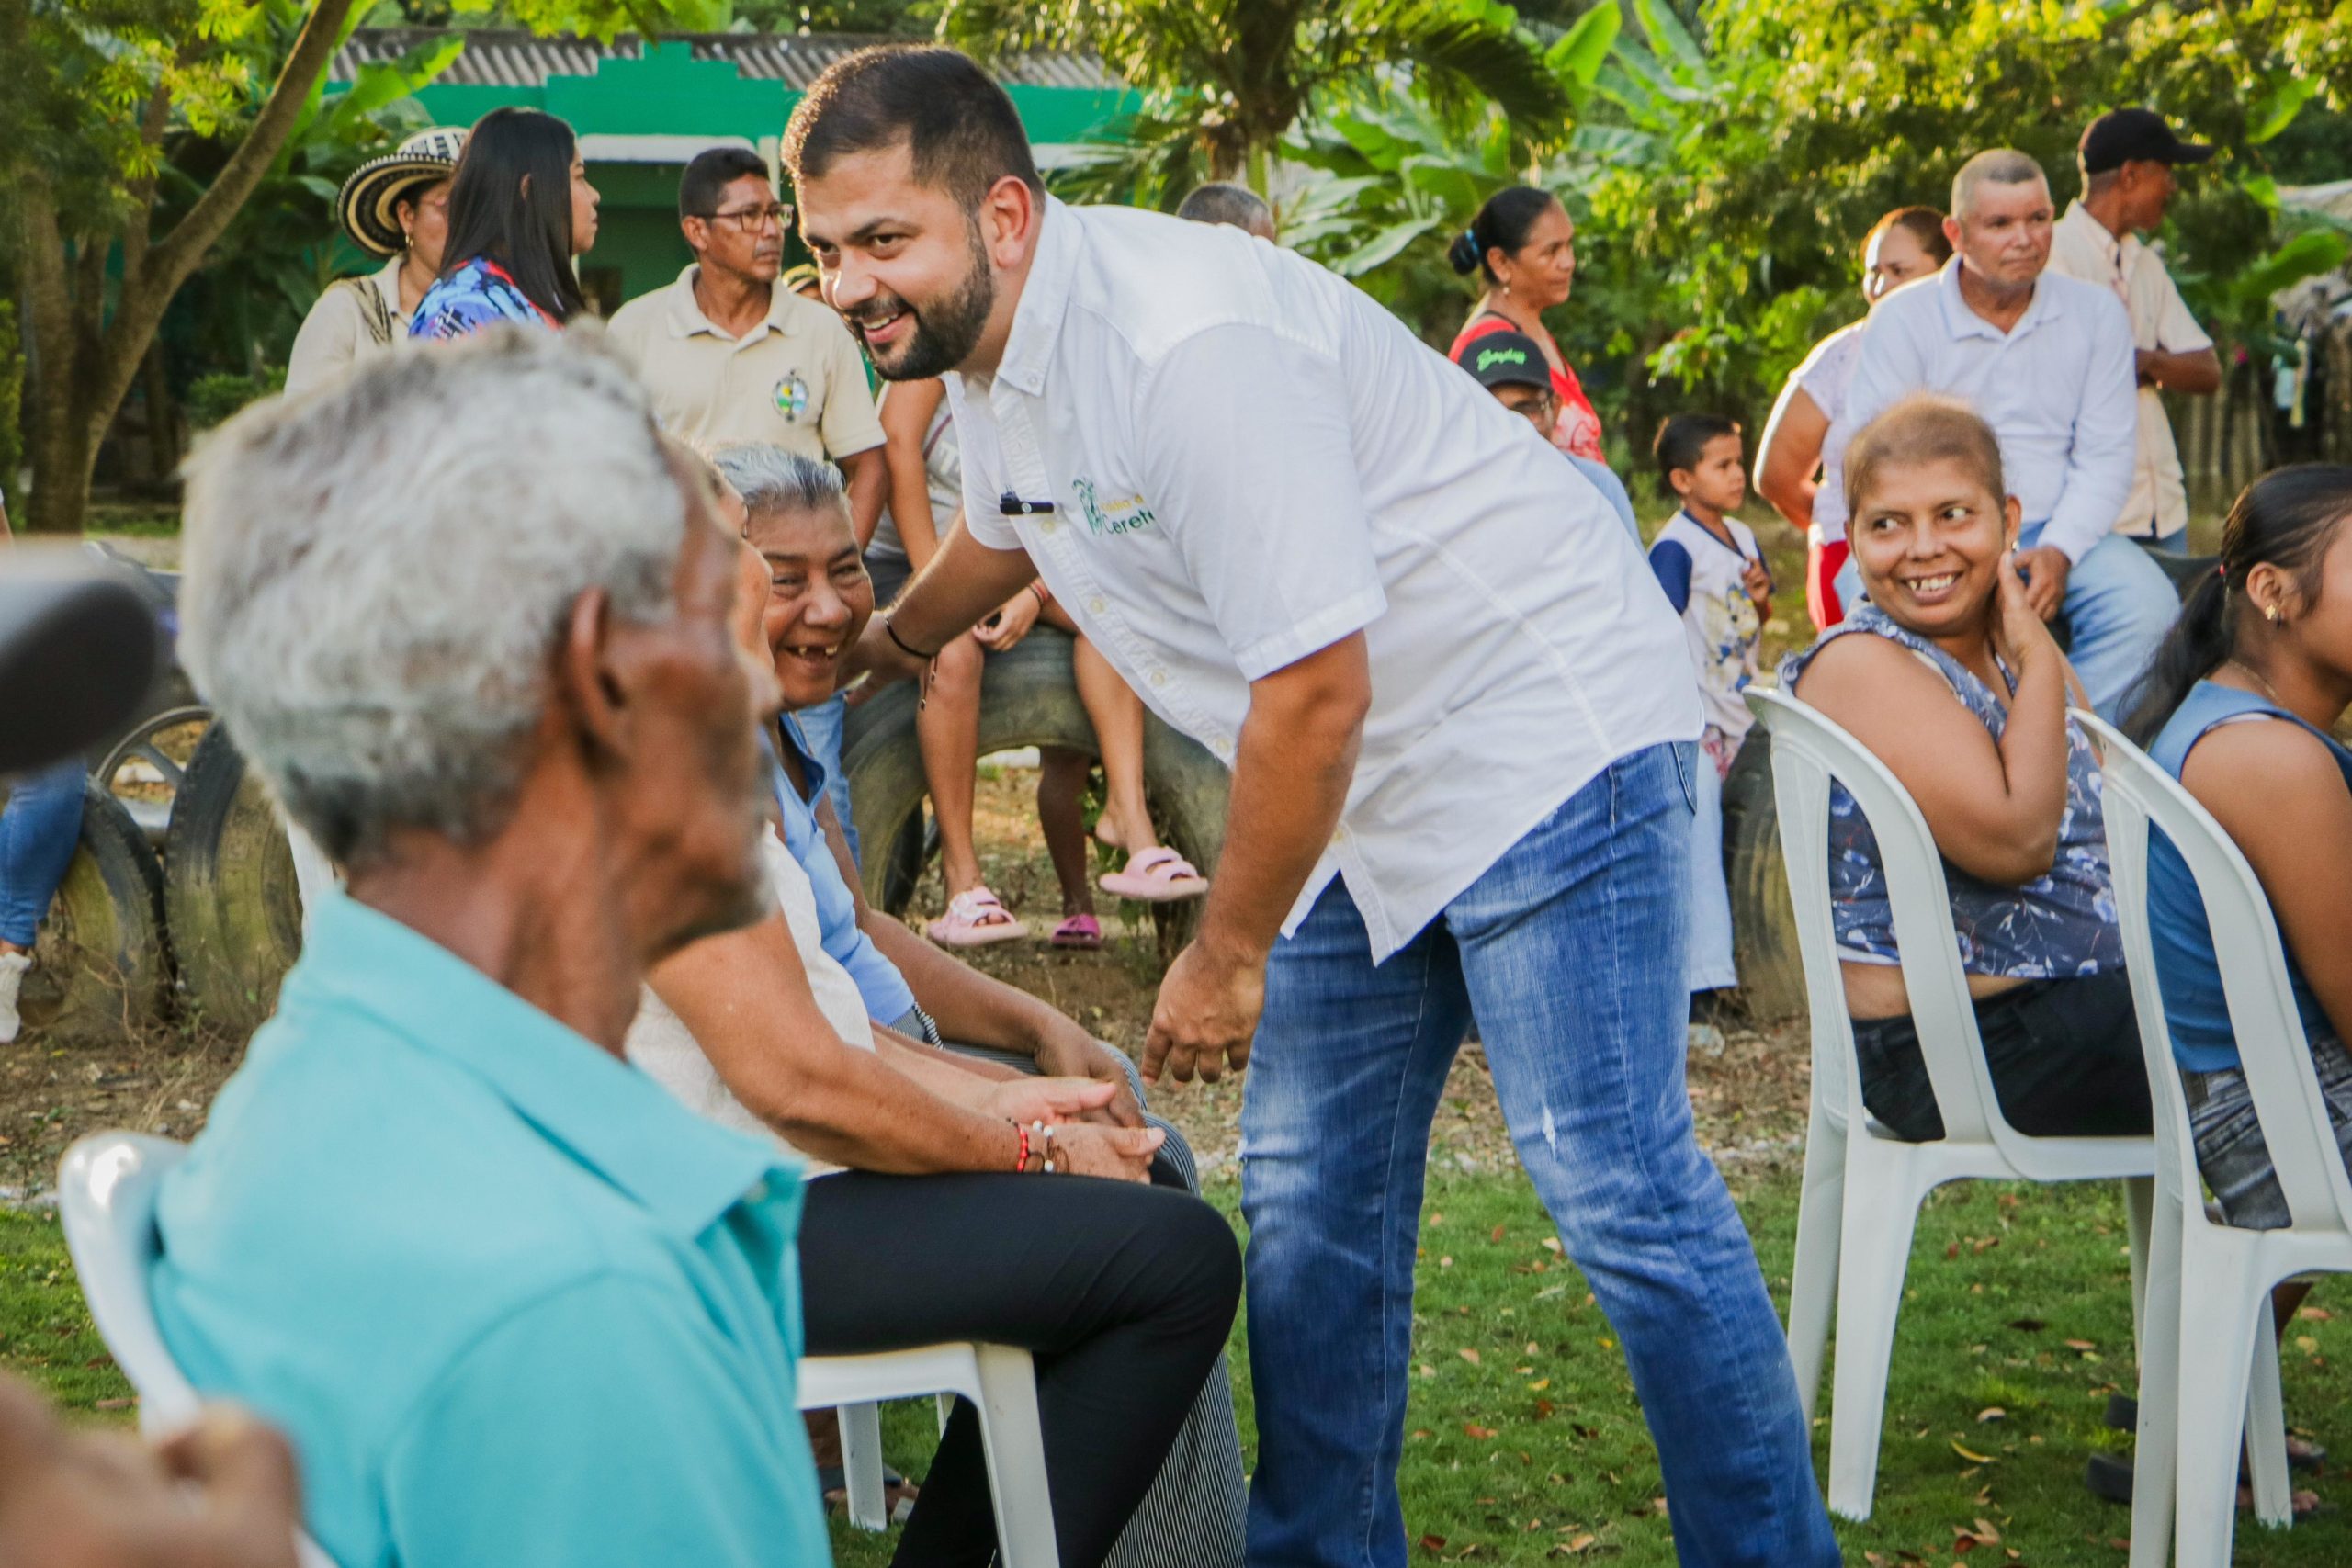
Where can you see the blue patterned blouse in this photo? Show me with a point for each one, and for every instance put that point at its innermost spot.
(2061, 924)
(479, 294)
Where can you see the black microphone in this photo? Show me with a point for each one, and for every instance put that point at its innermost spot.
(1011, 505)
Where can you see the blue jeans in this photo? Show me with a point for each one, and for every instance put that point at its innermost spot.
(38, 832)
(1569, 953)
(2119, 606)
(821, 728)
(2173, 544)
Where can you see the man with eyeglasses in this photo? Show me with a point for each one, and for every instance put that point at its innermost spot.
(730, 357)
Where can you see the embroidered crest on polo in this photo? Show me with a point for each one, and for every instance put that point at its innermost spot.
(1121, 514)
(792, 397)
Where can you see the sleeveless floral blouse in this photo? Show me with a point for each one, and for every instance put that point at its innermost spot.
(2061, 924)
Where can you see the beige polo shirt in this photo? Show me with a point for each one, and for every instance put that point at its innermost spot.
(2081, 247)
(796, 380)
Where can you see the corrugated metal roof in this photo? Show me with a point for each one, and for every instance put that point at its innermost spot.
(504, 58)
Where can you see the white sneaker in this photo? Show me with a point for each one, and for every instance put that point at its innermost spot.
(12, 979)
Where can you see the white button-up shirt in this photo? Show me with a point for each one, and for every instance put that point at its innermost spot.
(2082, 247)
(2057, 389)
(1250, 460)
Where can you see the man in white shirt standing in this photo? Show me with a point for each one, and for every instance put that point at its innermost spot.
(1461, 731)
(2127, 158)
(2047, 361)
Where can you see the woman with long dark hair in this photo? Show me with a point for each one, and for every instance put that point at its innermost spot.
(1903, 245)
(2238, 708)
(520, 210)
(1523, 243)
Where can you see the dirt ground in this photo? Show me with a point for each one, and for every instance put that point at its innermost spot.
(1749, 1099)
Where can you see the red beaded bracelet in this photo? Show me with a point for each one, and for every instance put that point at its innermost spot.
(1020, 1165)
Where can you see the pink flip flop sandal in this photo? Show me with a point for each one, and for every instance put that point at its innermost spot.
(1157, 877)
(975, 917)
(1083, 932)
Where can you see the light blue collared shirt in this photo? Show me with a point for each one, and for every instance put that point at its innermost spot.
(512, 1303)
(887, 999)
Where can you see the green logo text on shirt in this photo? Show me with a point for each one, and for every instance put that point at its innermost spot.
(1126, 514)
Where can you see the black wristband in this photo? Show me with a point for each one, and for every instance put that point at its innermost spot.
(892, 632)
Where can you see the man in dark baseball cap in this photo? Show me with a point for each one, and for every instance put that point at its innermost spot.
(2135, 136)
(2127, 157)
(1511, 365)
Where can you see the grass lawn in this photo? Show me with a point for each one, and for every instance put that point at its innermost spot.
(1526, 1443)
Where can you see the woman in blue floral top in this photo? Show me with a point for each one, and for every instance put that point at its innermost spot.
(1950, 679)
(520, 210)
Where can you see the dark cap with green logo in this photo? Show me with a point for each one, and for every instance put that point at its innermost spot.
(1505, 359)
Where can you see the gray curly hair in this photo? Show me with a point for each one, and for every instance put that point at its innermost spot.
(377, 574)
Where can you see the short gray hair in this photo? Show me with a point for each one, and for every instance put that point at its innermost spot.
(2000, 166)
(377, 574)
(1221, 201)
(769, 478)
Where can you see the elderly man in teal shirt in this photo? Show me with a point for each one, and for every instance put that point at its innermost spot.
(467, 615)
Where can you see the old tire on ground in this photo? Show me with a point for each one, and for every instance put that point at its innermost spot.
(229, 894)
(1028, 697)
(100, 967)
(1763, 921)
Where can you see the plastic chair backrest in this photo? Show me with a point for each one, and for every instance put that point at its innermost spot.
(1808, 752)
(2272, 1047)
(106, 1202)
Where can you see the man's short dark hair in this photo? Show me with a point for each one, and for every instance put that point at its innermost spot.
(705, 183)
(958, 125)
(1221, 201)
(1682, 441)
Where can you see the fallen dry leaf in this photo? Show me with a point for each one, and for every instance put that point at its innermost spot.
(1469, 1355)
(1971, 1454)
(1484, 1434)
(1990, 1413)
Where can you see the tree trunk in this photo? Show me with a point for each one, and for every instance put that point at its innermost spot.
(162, 417)
(88, 361)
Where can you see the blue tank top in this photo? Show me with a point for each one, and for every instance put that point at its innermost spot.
(2186, 971)
(2060, 925)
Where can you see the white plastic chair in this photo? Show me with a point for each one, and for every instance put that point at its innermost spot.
(2208, 1348)
(106, 1193)
(106, 1198)
(1863, 1185)
(999, 1382)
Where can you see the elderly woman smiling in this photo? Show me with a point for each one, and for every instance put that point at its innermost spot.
(1036, 1216)
(512, 1302)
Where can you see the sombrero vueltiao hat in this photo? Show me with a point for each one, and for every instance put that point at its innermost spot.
(364, 206)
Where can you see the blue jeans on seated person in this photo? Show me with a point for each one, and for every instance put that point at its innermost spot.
(38, 832)
(2119, 606)
(1569, 954)
(821, 728)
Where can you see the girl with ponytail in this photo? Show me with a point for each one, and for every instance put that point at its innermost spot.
(1523, 244)
(2237, 708)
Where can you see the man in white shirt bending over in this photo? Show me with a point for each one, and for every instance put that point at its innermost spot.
(2047, 361)
(1460, 728)
(2127, 158)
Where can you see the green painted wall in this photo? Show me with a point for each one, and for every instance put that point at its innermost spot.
(670, 92)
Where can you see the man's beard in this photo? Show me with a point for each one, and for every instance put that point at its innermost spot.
(943, 335)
